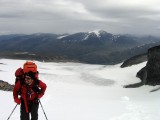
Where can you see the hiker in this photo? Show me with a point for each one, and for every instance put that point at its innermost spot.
(27, 91)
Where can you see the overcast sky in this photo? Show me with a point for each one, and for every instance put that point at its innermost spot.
(71, 16)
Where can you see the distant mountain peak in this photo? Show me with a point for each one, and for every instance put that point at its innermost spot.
(97, 32)
(62, 36)
(85, 35)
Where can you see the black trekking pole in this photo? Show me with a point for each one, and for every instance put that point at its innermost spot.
(43, 109)
(12, 112)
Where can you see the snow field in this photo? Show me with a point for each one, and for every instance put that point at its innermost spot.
(85, 92)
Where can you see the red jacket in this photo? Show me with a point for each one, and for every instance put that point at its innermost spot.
(28, 93)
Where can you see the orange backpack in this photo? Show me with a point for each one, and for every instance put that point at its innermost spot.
(28, 66)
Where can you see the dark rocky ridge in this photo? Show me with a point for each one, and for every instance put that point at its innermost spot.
(5, 86)
(135, 60)
(150, 74)
(153, 66)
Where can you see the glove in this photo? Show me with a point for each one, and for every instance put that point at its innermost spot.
(39, 96)
(18, 101)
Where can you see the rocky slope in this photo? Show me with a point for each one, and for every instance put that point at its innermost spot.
(150, 74)
(5, 86)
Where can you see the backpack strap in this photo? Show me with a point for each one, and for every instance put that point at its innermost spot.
(36, 86)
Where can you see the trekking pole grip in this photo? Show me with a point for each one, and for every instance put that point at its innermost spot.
(12, 112)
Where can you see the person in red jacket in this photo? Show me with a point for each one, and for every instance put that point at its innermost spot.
(30, 90)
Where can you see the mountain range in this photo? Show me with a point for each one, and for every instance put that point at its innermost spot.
(96, 47)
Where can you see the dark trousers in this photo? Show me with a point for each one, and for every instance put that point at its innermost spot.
(33, 110)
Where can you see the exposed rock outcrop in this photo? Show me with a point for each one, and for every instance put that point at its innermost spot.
(6, 86)
(135, 85)
(135, 60)
(142, 74)
(150, 74)
(153, 66)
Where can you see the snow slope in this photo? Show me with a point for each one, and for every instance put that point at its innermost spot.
(85, 92)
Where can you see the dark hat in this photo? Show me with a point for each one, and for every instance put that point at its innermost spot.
(31, 74)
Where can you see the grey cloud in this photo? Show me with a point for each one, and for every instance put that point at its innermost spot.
(62, 16)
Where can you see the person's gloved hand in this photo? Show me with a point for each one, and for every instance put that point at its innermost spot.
(39, 96)
(18, 101)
